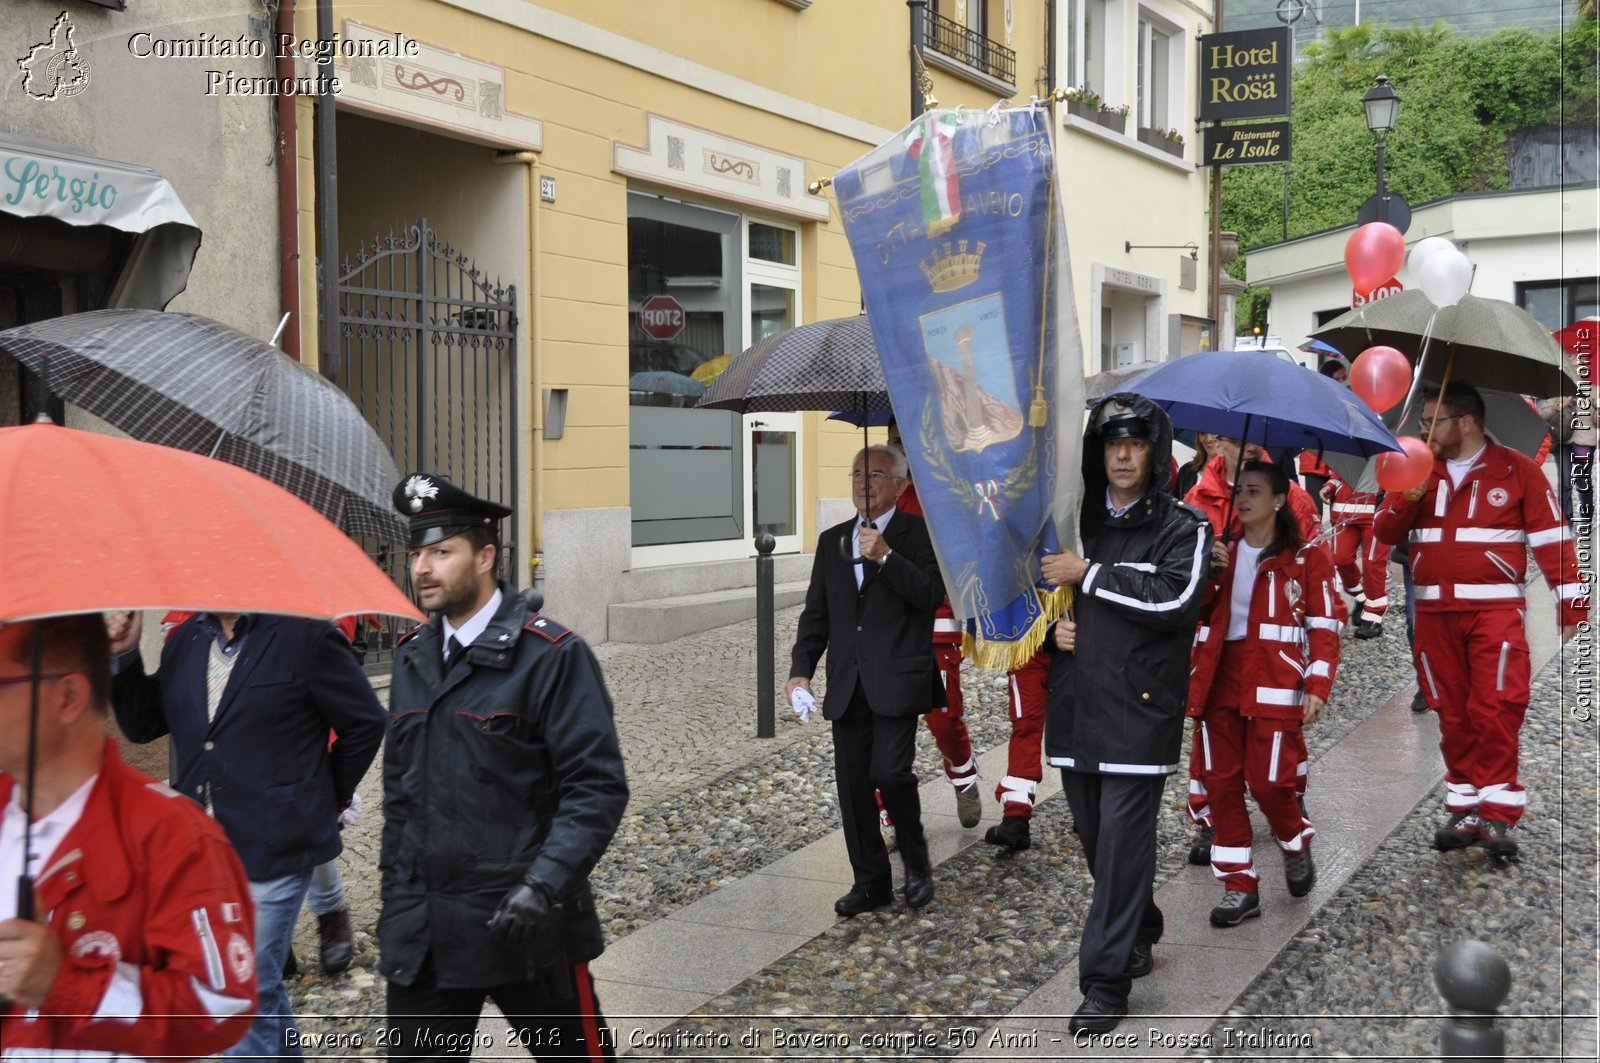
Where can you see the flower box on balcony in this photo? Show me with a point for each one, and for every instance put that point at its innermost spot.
(1089, 112)
(1113, 120)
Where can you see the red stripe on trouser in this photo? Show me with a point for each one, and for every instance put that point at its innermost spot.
(1026, 708)
(1478, 661)
(587, 1012)
(1241, 751)
(948, 725)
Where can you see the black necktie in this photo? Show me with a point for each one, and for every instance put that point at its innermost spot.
(453, 647)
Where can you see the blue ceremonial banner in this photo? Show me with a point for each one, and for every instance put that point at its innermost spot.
(957, 237)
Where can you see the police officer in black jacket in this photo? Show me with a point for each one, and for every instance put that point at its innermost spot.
(503, 784)
(1119, 682)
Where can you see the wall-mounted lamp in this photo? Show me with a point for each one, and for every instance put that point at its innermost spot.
(1191, 247)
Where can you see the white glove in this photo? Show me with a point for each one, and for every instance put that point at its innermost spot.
(352, 812)
(803, 703)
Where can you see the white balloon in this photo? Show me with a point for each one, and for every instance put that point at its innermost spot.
(1445, 278)
(1424, 250)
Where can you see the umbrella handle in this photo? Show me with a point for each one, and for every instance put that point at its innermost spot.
(844, 552)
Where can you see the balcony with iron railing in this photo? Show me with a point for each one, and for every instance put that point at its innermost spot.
(946, 38)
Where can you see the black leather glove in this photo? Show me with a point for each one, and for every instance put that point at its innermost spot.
(522, 913)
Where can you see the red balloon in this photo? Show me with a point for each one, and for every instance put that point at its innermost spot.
(1406, 469)
(1380, 376)
(1374, 254)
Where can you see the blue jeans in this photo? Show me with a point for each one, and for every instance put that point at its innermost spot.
(327, 891)
(278, 902)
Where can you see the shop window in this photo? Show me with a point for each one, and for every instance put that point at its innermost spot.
(703, 285)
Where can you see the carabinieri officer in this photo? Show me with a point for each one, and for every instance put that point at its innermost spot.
(503, 784)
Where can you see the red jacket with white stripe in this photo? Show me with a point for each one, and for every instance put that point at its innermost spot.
(153, 913)
(1291, 642)
(1469, 542)
(1211, 494)
(946, 628)
(1350, 506)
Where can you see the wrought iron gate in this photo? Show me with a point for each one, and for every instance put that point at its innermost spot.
(428, 352)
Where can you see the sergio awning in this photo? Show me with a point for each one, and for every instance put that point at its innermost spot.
(40, 179)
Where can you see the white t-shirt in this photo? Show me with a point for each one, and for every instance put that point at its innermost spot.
(1462, 466)
(1244, 582)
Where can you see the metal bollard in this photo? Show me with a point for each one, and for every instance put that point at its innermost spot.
(765, 723)
(1474, 981)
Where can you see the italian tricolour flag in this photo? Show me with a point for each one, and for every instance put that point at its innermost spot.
(931, 143)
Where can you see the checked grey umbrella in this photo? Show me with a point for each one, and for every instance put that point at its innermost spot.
(826, 365)
(187, 382)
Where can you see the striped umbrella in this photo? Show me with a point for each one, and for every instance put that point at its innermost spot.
(187, 382)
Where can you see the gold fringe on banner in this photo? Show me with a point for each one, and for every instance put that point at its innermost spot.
(1004, 656)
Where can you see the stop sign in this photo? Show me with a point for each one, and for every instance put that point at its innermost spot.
(661, 317)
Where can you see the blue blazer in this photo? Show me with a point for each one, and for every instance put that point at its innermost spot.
(262, 765)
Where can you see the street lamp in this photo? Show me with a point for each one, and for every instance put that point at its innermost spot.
(1382, 105)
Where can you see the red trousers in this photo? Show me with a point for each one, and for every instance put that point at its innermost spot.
(1473, 667)
(1362, 563)
(1025, 707)
(1236, 752)
(948, 725)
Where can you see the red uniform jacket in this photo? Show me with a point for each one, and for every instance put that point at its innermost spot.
(1351, 506)
(1469, 543)
(1210, 496)
(1291, 641)
(154, 916)
(946, 628)
(1311, 465)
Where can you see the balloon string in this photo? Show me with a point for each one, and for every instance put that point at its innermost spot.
(1422, 359)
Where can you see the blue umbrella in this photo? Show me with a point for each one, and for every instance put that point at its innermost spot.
(1260, 398)
(1319, 347)
(874, 418)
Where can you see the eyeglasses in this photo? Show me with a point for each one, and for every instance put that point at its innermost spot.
(877, 476)
(13, 680)
(1427, 423)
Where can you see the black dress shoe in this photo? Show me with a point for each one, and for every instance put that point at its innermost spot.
(1143, 960)
(1012, 833)
(1097, 1016)
(919, 888)
(859, 900)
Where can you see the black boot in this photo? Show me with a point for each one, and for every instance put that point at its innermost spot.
(918, 867)
(1012, 833)
(337, 944)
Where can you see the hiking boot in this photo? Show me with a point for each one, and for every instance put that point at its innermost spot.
(969, 805)
(337, 945)
(1236, 907)
(1011, 833)
(1299, 872)
(1369, 629)
(1460, 831)
(1419, 704)
(1200, 848)
(1496, 835)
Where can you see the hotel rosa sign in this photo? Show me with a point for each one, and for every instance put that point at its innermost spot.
(1245, 74)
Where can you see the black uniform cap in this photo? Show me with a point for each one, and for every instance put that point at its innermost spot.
(1117, 421)
(439, 509)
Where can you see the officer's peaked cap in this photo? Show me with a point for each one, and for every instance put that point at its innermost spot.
(439, 509)
(1117, 421)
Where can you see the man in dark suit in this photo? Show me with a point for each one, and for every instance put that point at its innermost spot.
(874, 587)
(249, 701)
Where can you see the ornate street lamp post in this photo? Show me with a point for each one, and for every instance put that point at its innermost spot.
(1382, 105)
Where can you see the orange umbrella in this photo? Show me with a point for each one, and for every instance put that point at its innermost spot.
(93, 522)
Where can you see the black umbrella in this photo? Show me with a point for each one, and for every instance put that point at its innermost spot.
(187, 382)
(1489, 342)
(826, 365)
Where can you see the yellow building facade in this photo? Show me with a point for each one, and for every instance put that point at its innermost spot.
(558, 220)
